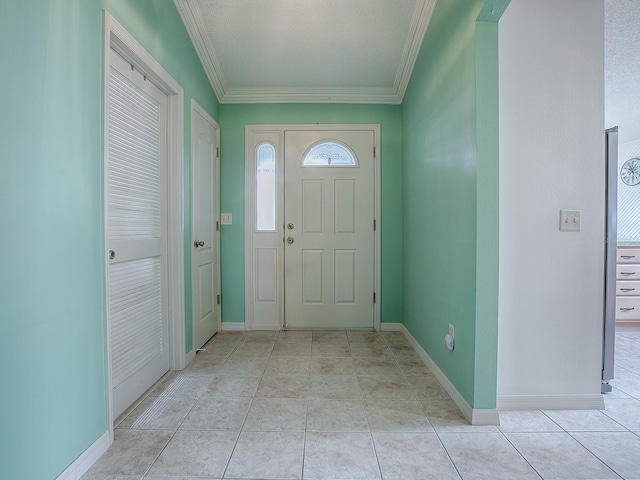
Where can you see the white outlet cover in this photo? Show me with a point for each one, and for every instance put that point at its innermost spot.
(226, 218)
(449, 342)
(570, 220)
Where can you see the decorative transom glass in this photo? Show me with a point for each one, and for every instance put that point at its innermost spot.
(329, 153)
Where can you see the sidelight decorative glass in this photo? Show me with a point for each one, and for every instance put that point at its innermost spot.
(329, 153)
(265, 188)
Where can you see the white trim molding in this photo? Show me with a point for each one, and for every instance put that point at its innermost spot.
(189, 357)
(197, 109)
(475, 416)
(391, 327)
(421, 17)
(233, 327)
(87, 458)
(550, 402)
(116, 37)
(272, 318)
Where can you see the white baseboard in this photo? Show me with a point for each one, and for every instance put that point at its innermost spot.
(391, 327)
(475, 416)
(550, 402)
(267, 327)
(84, 462)
(233, 326)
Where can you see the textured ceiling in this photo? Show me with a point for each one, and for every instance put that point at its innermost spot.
(622, 67)
(307, 50)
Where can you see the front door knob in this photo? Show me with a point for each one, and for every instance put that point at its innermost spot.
(290, 240)
(198, 243)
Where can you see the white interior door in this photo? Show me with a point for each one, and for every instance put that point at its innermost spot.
(136, 232)
(204, 227)
(329, 229)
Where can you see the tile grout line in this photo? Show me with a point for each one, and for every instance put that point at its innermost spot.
(594, 454)
(522, 455)
(366, 415)
(235, 445)
(304, 434)
(174, 433)
(437, 434)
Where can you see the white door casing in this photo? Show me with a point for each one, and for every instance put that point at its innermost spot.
(136, 198)
(205, 271)
(329, 248)
(117, 41)
(265, 250)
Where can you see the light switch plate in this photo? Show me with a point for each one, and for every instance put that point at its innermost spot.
(226, 218)
(570, 220)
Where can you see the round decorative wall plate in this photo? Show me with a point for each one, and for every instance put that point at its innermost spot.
(630, 171)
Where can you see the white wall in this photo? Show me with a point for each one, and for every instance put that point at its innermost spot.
(551, 158)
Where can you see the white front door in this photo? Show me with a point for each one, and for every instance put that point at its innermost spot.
(204, 225)
(329, 208)
(136, 232)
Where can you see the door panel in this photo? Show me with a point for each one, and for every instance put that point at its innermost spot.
(266, 270)
(344, 206)
(312, 191)
(329, 253)
(312, 267)
(345, 273)
(204, 243)
(136, 232)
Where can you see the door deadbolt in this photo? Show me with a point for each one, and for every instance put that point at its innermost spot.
(112, 254)
(290, 240)
(290, 226)
(198, 243)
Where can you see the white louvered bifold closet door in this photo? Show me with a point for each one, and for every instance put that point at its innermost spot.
(136, 233)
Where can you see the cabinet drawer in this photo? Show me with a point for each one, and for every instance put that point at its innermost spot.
(628, 255)
(628, 272)
(627, 288)
(627, 308)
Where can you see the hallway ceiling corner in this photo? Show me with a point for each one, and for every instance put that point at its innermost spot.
(312, 51)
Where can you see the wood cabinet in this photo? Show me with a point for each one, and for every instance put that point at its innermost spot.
(628, 285)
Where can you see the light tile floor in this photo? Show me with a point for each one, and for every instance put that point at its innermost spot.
(356, 405)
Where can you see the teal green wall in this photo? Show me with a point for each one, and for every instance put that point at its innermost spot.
(52, 406)
(235, 117)
(440, 174)
(439, 210)
(488, 213)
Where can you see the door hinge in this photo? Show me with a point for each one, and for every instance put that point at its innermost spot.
(217, 152)
(218, 299)
(374, 224)
(374, 297)
(217, 226)
(374, 152)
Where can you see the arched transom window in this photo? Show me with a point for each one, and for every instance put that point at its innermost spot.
(329, 153)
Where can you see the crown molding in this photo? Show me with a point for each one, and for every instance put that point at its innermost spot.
(417, 31)
(206, 55)
(386, 96)
(420, 22)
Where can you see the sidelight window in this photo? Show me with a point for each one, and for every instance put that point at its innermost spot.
(266, 188)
